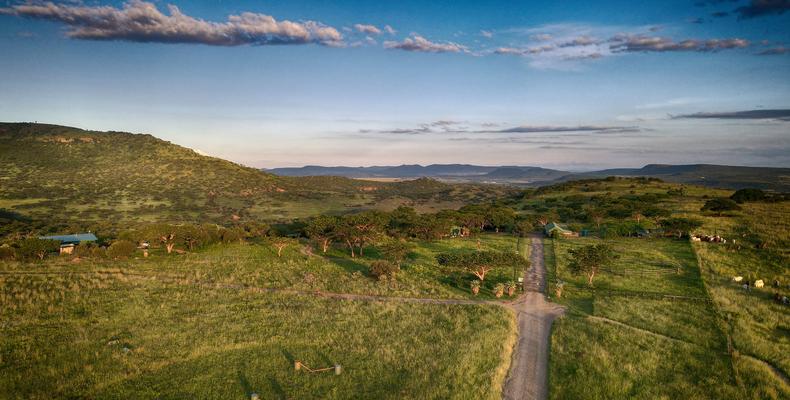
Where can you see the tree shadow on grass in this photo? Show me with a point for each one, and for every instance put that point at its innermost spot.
(583, 304)
(245, 384)
(349, 265)
(277, 389)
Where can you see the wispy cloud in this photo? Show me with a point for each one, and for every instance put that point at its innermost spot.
(421, 44)
(140, 21)
(775, 51)
(560, 129)
(680, 101)
(448, 126)
(780, 114)
(390, 30)
(486, 34)
(367, 29)
(640, 43)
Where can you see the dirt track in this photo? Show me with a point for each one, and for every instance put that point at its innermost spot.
(528, 374)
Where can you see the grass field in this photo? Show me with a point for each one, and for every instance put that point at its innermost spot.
(758, 327)
(627, 339)
(93, 334)
(257, 265)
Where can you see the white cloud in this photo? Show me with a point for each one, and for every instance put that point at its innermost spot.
(421, 44)
(140, 21)
(367, 29)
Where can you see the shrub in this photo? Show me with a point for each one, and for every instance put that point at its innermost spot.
(475, 285)
(33, 248)
(121, 249)
(719, 205)
(98, 252)
(381, 268)
(85, 250)
(745, 195)
(7, 253)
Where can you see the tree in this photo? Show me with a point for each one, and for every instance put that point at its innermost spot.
(680, 226)
(720, 205)
(501, 217)
(430, 227)
(480, 263)
(745, 195)
(121, 249)
(396, 251)
(32, 248)
(523, 227)
(280, 243)
(590, 259)
(595, 216)
(360, 230)
(169, 241)
(321, 229)
(402, 221)
(472, 221)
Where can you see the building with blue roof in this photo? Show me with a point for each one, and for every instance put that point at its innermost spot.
(67, 242)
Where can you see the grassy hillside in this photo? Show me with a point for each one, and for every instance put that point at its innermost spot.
(714, 176)
(59, 176)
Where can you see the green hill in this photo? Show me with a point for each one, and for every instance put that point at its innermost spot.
(715, 176)
(58, 176)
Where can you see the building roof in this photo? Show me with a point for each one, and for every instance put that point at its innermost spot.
(72, 239)
(552, 226)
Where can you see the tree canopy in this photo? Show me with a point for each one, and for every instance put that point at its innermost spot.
(590, 259)
(480, 263)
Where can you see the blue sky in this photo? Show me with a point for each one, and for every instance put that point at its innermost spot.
(567, 84)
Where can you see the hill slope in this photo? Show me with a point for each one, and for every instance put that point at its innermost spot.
(722, 176)
(62, 175)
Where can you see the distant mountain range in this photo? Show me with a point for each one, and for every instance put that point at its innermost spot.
(440, 171)
(722, 176)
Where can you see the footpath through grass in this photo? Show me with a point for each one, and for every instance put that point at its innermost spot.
(615, 343)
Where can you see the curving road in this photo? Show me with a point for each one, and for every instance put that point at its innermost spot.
(528, 376)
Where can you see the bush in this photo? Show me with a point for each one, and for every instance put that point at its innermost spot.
(32, 248)
(121, 249)
(7, 253)
(719, 205)
(84, 250)
(381, 268)
(745, 195)
(98, 252)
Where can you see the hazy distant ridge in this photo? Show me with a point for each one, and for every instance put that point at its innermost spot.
(723, 176)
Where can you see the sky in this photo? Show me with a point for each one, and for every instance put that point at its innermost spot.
(569, 84)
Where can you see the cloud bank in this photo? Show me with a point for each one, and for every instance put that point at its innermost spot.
(140, 21)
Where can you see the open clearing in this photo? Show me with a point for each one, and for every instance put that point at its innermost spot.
(115, 336)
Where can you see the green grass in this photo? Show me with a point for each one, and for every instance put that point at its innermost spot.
(663, 349)
(257, 265)
(114, 335)
(758, 326)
